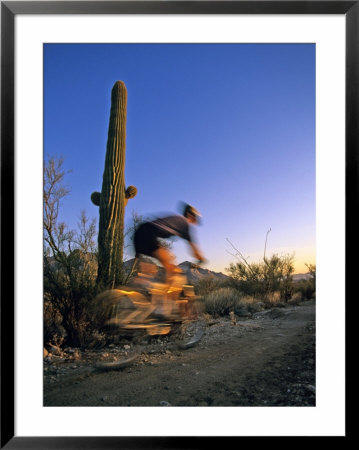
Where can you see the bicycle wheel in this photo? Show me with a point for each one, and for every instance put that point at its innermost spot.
(115, 309)
(192, 329)
(190, 333)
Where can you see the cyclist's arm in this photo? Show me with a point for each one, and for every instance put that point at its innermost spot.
(196, 251)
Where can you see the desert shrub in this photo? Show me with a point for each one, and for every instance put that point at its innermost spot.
(69, 265)
(222, 301)
(306, 288)
(253, 304)
(207, 285)
(69, 287)
(273, 274)
(296, 298)
(249, 299)
(272, 298)
(53, 330)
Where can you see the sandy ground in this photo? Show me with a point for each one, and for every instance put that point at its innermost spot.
(264, 360)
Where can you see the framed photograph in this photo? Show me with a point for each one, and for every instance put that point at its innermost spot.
(247, 110)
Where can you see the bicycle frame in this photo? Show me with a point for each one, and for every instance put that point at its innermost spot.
(133, 308)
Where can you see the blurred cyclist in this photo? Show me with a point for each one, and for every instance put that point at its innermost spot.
(146, 238)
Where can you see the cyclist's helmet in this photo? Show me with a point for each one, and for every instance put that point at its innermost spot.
(192, 211)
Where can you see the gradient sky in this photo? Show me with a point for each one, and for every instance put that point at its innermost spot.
(229, 128)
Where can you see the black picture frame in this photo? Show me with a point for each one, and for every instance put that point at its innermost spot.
(9, 9)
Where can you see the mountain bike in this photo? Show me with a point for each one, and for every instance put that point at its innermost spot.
(148, 306)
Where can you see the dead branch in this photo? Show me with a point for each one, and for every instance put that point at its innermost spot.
(239, 255)
(265, 246)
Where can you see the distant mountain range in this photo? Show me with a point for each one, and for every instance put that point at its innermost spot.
(301, 276)
(192, 271)
(195, 273)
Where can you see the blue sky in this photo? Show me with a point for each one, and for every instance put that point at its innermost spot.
(229, 128)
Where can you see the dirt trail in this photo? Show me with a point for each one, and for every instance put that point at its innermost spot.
(265, 360)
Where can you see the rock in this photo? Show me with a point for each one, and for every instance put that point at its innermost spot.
(55, 350)
(242, 311)
(164, 403)
(127, 347)
(256, 307)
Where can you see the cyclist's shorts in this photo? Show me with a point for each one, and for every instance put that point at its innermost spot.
(145, 239)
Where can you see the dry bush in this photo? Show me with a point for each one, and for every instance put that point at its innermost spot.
(253, 304)
(249, 299)
(272, 298)
(306, 288)
(272, 274)
(222, 301)
(295, 299)
(207, 285)
(52, 327)
(70, 264)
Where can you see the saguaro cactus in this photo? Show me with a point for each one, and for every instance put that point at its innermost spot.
(114, 196)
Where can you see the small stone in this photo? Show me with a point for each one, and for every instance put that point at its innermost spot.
(164, 403)
(127, 347)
